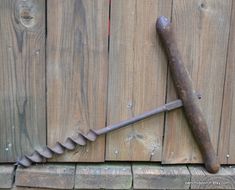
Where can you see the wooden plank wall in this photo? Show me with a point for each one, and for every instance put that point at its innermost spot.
(202, 31)
(77, 62)
(89, 78)
(226, 148)
(22, 78)
(137, 79)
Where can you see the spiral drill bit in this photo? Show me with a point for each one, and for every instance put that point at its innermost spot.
(81, 139)
(70, 144)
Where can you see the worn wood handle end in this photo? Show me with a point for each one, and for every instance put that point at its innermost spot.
(184, 88)
(162, 22)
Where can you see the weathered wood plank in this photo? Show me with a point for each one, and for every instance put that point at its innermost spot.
(22, 77)
(137, 79)
(77, 58)
(148, 176)
(103, 176)
(202, 29)
(201, 179)
(27, 188)
(6, 176)
(54, 176)
(227, 131)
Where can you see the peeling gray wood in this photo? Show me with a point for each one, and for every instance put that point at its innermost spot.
(6, 176)
(201, 179)
(103, 176)
(149, 176)
(28, 188)
(22, 77)
(55, 176)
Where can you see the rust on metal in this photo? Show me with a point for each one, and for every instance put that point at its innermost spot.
(81, 139)
(188, 99)
(184, 88)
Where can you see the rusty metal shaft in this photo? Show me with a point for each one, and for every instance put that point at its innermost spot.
(184, 89)
(167, 107)
(81, 139)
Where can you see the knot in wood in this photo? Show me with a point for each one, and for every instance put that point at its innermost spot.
(26, 17)
(27, 13)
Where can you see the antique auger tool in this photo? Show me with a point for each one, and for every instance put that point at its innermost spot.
(188, 99)
(184, 89)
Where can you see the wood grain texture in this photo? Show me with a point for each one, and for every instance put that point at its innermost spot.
(51, 176)
(149, 176)
(22, 77)
(137, 79)
(27, 188)
(202, 30)
(6, 176)
(77, 58)
(103, 176)
(201, 179)
(226, 147)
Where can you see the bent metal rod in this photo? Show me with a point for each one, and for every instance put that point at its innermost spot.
(81, 139)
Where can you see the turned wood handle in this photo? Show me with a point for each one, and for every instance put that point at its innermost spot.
(184, 89)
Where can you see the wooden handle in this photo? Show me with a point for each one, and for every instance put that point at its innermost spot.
(184, 88)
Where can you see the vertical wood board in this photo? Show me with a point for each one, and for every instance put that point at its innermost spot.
(22, 77)
(77, 58)
(226, 147)
(202, 30)
(137, 79)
